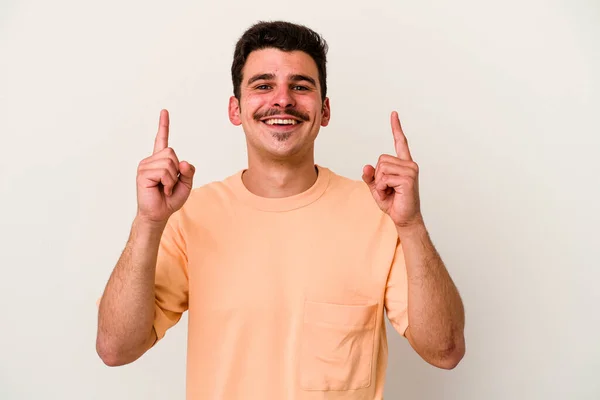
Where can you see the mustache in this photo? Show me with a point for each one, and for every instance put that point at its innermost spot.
(275, 111)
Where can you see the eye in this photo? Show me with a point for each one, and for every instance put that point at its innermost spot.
(263, 87)
(300, 88)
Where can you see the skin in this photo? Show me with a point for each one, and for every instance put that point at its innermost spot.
(280, 164)
(280, 161)
(126, 310)
(435, 311)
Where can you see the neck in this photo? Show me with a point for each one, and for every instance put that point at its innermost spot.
(278, 179)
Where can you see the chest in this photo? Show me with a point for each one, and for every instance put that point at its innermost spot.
(271, 263)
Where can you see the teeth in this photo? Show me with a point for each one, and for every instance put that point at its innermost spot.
(281, 122)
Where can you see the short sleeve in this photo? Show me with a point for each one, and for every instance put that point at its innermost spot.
(396, 292)
(171, 281)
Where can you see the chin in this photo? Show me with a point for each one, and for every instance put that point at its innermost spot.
(281, 149)
(279, 143)
(281, 137)
(282, 152)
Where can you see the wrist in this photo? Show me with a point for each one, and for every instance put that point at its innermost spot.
(415, 228)
(146, 225)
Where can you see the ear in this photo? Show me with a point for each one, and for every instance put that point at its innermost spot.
(234, 111)
(325, 113)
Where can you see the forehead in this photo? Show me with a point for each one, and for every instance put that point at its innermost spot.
(280, 63)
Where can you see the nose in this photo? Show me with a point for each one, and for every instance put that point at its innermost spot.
(283, 97)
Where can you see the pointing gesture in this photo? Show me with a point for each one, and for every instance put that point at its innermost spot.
(394, 182)
(161, 141)
(163, 183)
(400, 142)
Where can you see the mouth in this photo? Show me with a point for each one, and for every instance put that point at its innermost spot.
(281, 122)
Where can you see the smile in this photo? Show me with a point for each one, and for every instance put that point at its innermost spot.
(277, 121)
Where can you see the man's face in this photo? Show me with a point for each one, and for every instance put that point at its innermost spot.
(280, 106)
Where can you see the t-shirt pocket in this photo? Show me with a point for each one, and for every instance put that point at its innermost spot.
(336, 351)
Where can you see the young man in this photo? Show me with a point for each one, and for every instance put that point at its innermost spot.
(286, 268)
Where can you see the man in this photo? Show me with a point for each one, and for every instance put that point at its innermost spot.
(286, 268)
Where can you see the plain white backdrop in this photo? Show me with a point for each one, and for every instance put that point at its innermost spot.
(500, 103)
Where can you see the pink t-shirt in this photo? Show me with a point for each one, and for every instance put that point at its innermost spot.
(285, 296)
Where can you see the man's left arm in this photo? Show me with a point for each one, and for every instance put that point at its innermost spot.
(436, 316)
(435, 310)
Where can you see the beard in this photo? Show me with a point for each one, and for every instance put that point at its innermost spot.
(282, 137)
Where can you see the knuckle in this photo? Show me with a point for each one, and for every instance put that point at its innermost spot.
(410, 165)
(142, 163)
(169, 162)
(389, 166)
(140, 178)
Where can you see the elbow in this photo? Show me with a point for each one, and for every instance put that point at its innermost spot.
(110, 354)
(111, 361)
(115, 352)
(109, 358)
(449, 362)
(445, 354)
(451, 356)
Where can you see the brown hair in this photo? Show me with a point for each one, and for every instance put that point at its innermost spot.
(284, 36)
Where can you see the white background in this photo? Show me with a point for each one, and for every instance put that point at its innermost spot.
(499, 100)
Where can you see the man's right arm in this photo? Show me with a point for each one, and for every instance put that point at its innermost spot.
(126, 312)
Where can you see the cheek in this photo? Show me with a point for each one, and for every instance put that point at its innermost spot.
(250, 106)
(310, 105)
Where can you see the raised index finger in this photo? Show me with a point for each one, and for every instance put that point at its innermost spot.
(400, 142)
(162, 137)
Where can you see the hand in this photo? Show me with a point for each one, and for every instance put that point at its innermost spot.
(163, 183)
(394, 183)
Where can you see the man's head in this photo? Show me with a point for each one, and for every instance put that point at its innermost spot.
(279, 82)
(284, 36)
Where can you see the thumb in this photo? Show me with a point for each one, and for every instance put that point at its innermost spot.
(186, 173)
(368, 175)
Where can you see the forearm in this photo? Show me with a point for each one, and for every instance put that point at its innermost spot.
(126, 311)
(435, 310)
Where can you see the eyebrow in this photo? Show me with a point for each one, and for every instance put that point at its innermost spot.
(261, 77)
(293, 78)
(298, 78)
